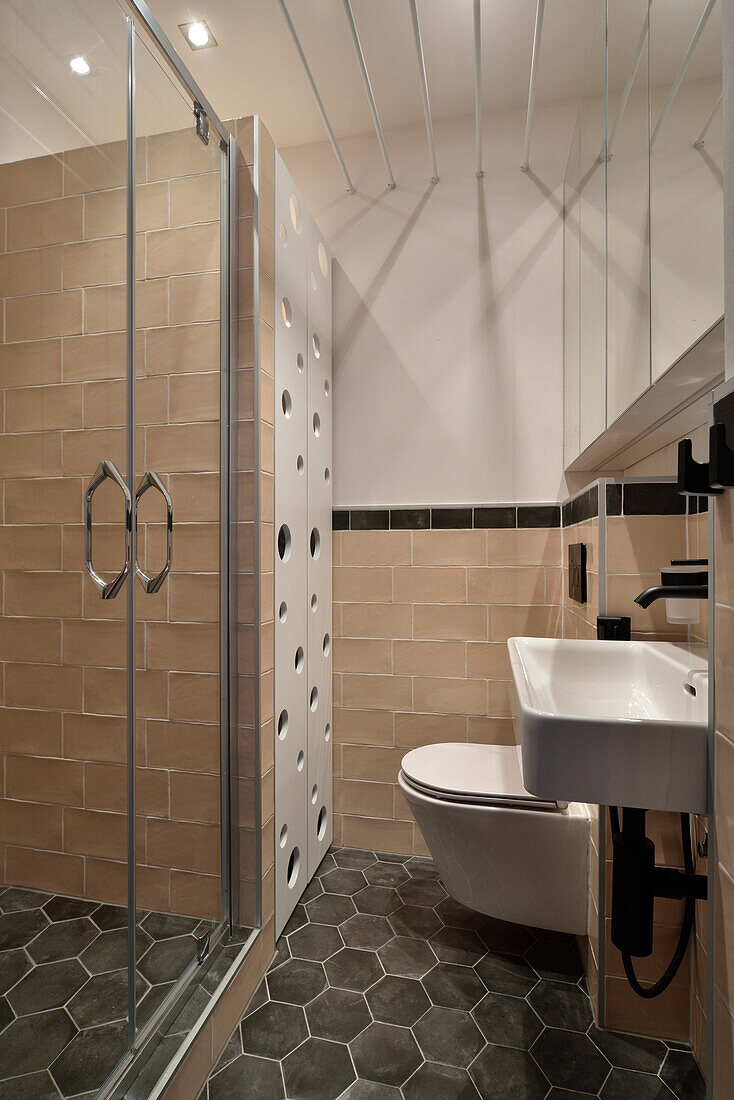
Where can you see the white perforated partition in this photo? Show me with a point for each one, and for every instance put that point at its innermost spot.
(302, 682)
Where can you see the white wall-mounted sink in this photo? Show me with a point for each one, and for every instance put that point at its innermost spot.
(613, 723)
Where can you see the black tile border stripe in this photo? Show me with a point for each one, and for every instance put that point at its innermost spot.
(481, 517)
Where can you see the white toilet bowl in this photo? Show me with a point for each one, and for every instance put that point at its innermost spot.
(499, 849)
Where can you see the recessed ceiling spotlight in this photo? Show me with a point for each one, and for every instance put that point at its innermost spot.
(80, 66)
(197, 34)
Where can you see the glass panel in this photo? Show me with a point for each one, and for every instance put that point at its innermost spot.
(628, 194)
(63, 822)
(592, 245)
(178, 795)
(686, 181)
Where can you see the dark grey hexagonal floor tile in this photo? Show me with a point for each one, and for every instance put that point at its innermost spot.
(353, 969)
(297, 919)
(315, 941)
(625, 1084)
(457, 945)
(328, 863)
(163, 926)
(330, 909)
(89, 1058)
(570, 1060)
(436, 1082)
(343, 880)
(630, 1051)
(248, 1076)
(354, 858)
(422, 891)
(508, 974)
(422, 867)
(457, 915)
(338, 1014)
(282, 952)
(395, 1000)
(682, 1076)
(448, 1035)
(379, 900)
(313, 890)
(297, 981)
(318, 1070)
(560, 1004)
(13, 965)
(34, 1086)
(507, 1021)
(47, 986)
(409, 957)
(274, 1030)
(415, 920)
(166, 959)
(6, 1013)
(152, 1000)
(63, 940)
(259, 997)
(565, 1094)
(504, 937)
(107, 917)
(16, 899)
(371, 1090)
(386, 874)
(502, 1072)
(31, 1043)
(560, 962)
(17, 929)
(366, 930)
(103, 999)
(63, 908)
(453, 986)
(386, 1054)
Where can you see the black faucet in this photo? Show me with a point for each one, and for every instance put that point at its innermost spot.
(678, 586)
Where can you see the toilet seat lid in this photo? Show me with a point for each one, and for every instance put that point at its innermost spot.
(471, 773)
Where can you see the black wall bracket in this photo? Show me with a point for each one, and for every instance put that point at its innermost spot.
(693, 477)
(721, 458)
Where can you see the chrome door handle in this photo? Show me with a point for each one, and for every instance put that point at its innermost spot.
(107, 589)
(150, 480)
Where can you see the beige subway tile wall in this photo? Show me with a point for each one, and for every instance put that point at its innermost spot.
(421, 620)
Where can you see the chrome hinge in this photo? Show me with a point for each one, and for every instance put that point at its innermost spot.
(202, 946)
(702, 847)
(202, 123)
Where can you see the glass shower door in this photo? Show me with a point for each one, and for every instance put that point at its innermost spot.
(177, 477)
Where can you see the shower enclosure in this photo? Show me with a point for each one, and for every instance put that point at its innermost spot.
(118, 555)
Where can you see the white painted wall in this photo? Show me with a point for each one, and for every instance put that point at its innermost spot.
(448, 313)
(728, 115)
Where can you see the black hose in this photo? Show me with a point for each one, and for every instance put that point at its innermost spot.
(648, 992)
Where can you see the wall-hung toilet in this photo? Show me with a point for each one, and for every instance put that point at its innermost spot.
(499, 849)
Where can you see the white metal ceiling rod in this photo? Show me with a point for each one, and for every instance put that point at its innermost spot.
(478, 82)
(627, 91)
(370, 94)
(683, 66)
(317, 97)
(424, 86)
(539, 12)
(702, 136)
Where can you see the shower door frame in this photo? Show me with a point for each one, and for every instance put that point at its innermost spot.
(142, 1041)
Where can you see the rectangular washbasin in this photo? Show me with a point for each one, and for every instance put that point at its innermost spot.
(613, 723)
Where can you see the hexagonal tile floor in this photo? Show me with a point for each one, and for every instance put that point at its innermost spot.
(384, 988)
(63, 987)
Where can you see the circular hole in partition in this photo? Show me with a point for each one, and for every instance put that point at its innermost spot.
(327, 387)
(316, 345)
(314, 794)
(294, 864)
(283, 611)
(296, 216)
(315, 543)
(299, 464)
(323, 260)
(326, 644)
(286, 310)
(299, 659)
(327, 732)
(282, 724)
(299, 363)
(314, 602)
(321, 823)
(285, 542)
(283, 234)
(286, 402)
(314, 283)
(314, 698)
(301, 760)
(283, 839)
(327, 474)
(316, 424)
